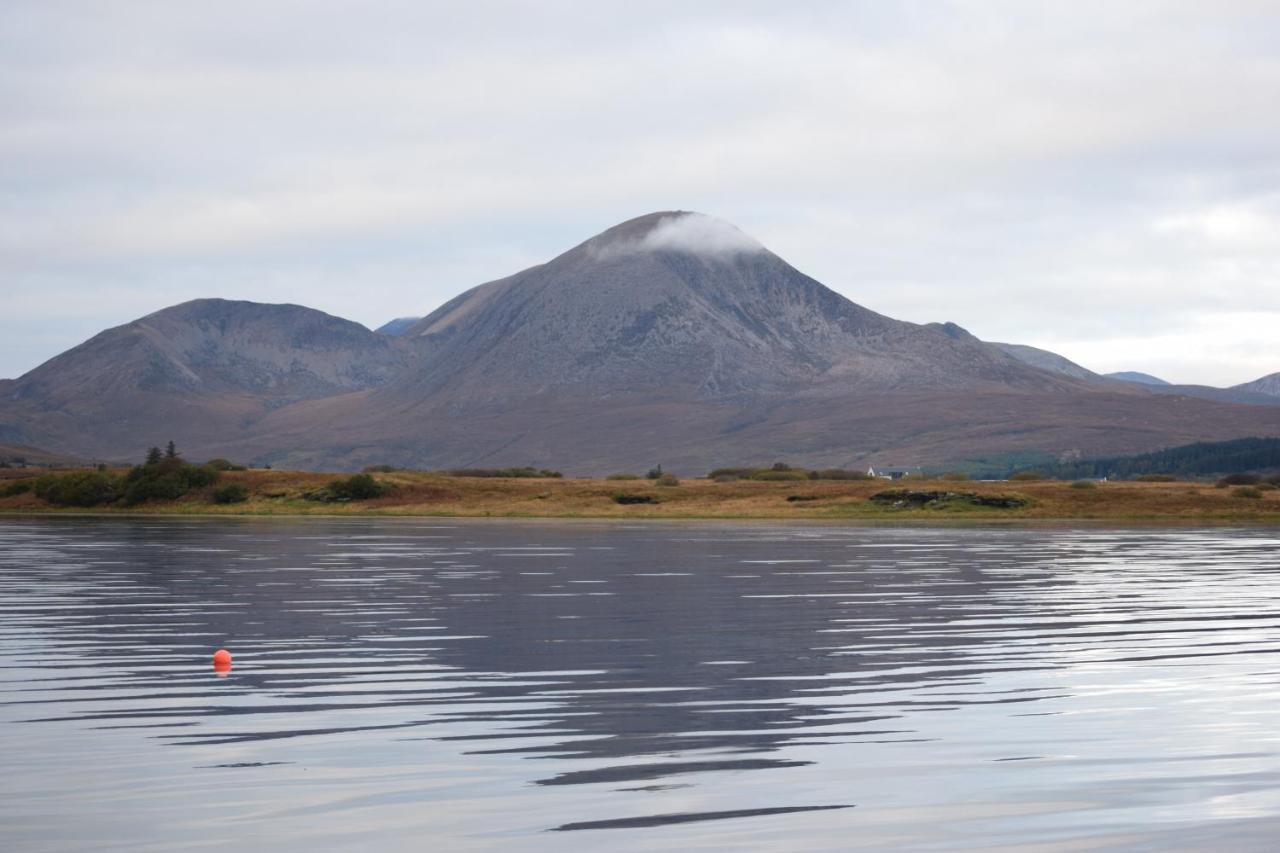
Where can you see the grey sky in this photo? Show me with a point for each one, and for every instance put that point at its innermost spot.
(1098, 178)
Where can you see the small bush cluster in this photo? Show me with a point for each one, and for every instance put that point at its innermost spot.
(357, 487)
(15, 487)
(1239, 480)
(378, 469)
(166, 480)
(625, 499)
(782, 472)
(231, 493)
(79, 488)
(541, 473)
(225, 465)
(1246, 492)
(623, 476)
(668, 480)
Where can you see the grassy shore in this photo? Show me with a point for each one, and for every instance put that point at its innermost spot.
(428, 494)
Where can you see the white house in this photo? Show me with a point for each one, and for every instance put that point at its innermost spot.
(892, 473)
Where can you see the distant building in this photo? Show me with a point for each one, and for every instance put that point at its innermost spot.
(892, 473)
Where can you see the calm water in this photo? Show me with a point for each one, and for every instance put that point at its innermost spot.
(467, 685)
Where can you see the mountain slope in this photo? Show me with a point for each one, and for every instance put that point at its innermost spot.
(200, 370)
(681, 302)
(1269, 385)
(1046, 360)
(1136, 376)
(671, 338)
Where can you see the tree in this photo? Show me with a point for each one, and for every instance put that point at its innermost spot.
(171, 452)
(153, 456)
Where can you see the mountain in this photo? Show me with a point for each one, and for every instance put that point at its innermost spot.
(1268, 385)
(1046, 360)
(397, 327)
(196, 371)
(1135, 376)
(678, 300)
(672, 338)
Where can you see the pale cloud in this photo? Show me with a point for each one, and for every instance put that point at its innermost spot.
(1101, 175)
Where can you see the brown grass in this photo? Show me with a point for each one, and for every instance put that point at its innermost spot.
(422, 493)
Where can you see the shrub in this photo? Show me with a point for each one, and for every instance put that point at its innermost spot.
(626, 499)
(231, 493)
(81, 488)
(773, 474)
(668, 480)
(1027, 476)
(224, 465)
(724, 475)
(838, 474)
(654, 473)
(357, 487)
(166, 480)
(1274, 480)
(1084, 484)
(505, 472)
(1156, 478)
(780, 466)
(378, 469)
(1240, 480)
(1246, 492)
(15, 487)
(1266, 487)
(623, 477)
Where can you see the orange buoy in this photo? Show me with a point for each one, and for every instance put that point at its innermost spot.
(222, 657)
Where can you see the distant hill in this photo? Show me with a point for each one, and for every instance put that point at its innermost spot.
(397, 327)
(1046, 360)
(672, 338)
(1269, 385)
(195, 372)
(1190, 460)
(1135, 376)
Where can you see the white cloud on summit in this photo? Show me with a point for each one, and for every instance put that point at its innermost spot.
(700, 235)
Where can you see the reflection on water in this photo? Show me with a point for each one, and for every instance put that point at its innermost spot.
(472, 685)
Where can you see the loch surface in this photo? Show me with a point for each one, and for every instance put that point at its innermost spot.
(541, 685)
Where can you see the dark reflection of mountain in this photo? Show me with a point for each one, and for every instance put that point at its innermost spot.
(625, 644)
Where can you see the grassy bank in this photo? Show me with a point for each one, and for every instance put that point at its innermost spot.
(422, 493)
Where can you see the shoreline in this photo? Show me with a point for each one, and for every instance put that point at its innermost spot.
(416, 494)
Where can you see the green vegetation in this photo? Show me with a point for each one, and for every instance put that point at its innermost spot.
(225, 465)
(1202, 459)
(15, 487)
(378, 469)
(782, 472)
(163, 477)
(357, 487)
(79, 488)
(668, 480)
(165, 480)
(623, 477)
(627, 500)
(1247, 492)
(917, 499)
(231, 493)
(542, 473)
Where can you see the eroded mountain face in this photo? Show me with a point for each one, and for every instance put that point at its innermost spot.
(672, 337)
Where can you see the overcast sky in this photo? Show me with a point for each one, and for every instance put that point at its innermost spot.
(1098, 178)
